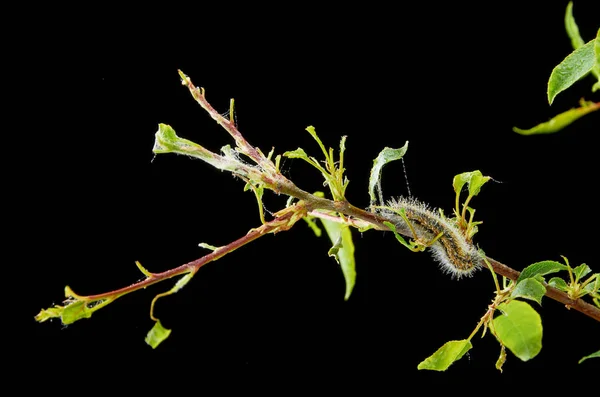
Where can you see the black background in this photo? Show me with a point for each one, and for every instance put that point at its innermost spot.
(451, 79)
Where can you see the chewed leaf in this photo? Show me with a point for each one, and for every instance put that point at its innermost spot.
(519, 328)
(476, 182)
(560, 121)
(501, 358)
(593, 355)
(446, 355)
(473, 179)
(384, 157)
(301, 154)
(157, 335)
(572, 28)
(571, 69)
(343, 251)
(311, 130)
(529, 288)
(47, 314)
(296, 154)
(75, 311)
(542, 268)
(75, 308)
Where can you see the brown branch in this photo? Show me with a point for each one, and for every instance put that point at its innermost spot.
(278, 224)
(499, 268)
(578, 304)
(276, 181)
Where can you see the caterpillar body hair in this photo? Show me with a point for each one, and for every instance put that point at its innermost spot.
(456, 254)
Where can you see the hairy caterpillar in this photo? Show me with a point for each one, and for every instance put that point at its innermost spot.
(455, 253)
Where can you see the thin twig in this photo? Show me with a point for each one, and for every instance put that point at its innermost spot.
(193, 266)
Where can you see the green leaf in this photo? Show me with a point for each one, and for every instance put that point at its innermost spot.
(558, 283)
(258, 191)
(157, 335)
(313, 225)
(476, 182)
(474, 179)
(596, 68)
(593, 355)
(560, 121)
(181, 282)
(597, 48)
(47, 314)
(572, 28)
(542, 268)
(75, 311)
(571, 69)
(342, 250)
(385, 156)
(167, 141)
(296, 154)
(501, 359)
(311, 130)
(581, 271)
(529, 288)
(76, 308)
(460, 180)
(301, 154)
(399, 237)
(592, 286)
(143, 269)
(519, 328)
(446, 355)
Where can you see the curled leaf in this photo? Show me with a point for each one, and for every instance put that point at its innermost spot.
(558, 283)
(385, 156)
(75, 308)
(572, 28)
(561, 120)
(501, 359)
(157, 335)
(473, 179)
(343, 251)
(593, 355)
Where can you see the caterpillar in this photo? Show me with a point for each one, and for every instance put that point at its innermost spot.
(456, 254)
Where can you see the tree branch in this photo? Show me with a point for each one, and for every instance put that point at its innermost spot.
(275, 181)
(578, 304)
